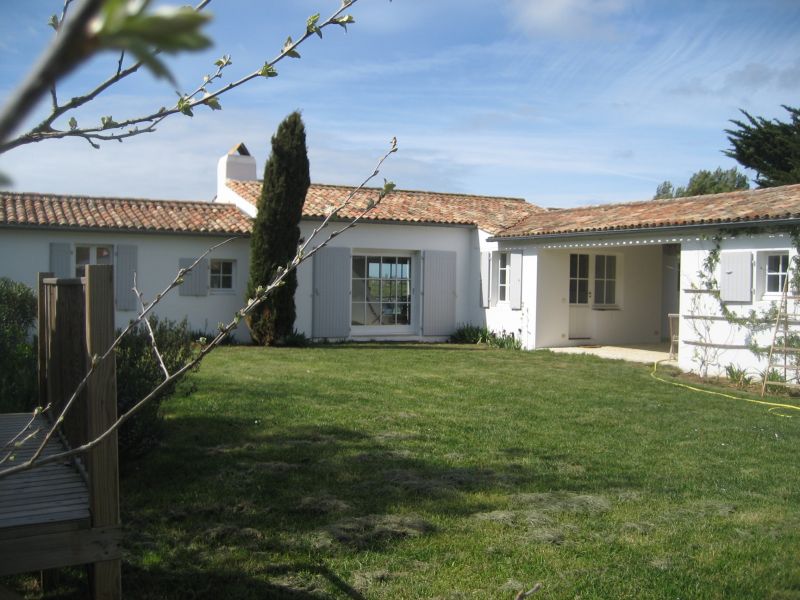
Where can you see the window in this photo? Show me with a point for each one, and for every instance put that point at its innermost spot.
(605, 279)
(578, 279)
(777, 270)
(502, 278)
(91, 255)
(381, 287)
(221, 274)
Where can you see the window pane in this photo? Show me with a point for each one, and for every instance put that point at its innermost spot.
(403, 267)
(227, 267)
(81, 255)
(388, 291)
(359, 266)
(583, 291)
(358, 313)
(388, 268)
(501, 292)
(599, 289)
(573, 291)
(785, 263)
(403, 291)
(503, 260)
(583, 265)
(359, 290)
(374, 266)
(573, 265)
(404, 314)
(773, 283)
(227, 282)
(373, 289)
(600, 267)
(103, 255)
(503, 276)
(611, 267)
(611, 297)
(388, 314)
(373, 313)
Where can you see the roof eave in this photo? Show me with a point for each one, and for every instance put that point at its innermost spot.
(637, 230)
(88, 229)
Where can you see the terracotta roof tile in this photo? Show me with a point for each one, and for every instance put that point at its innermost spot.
(731, 207)
(492, 214)
(127, 214)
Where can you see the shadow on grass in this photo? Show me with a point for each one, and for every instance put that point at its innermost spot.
(206, 502)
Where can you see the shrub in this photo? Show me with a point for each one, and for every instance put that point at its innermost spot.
(476, 334)
(138, 372)
(470, 334)
(17, 353)
(738, 376)
(504, 340)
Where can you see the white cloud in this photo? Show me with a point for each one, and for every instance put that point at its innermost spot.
(566, 17)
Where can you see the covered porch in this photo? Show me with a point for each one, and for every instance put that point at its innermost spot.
(611, 295)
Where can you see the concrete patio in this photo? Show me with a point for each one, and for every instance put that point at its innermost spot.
(649, 353)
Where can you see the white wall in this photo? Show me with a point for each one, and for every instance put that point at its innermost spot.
(708, 341)
(25, 252)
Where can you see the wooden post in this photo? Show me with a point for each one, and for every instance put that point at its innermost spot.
(43, 337)
(102, 412)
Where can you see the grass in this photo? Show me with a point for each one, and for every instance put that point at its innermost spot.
(374, 471)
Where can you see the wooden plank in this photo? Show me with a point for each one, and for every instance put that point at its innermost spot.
(44, 528)
(101, 395)
(33, 553)
(41, 356)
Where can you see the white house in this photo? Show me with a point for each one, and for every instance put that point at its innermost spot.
(421, 263)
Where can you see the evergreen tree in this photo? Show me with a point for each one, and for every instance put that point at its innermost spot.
(705, 182)
(276, 231)
(770, 148)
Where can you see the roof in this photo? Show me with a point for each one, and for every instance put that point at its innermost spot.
(750, 206)
(121, 214)
(489, 213)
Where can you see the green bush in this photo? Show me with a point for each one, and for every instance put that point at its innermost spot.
(17, 352)
(470, 334)
(138, 372)
(476, 334)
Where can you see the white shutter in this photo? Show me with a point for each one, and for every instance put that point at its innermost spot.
(124, 269)
(61, 259)
(494, 291)
(515, 283)
(195, 282)
(331, 303)
(486, 269)
(439, 293)
(736, 277)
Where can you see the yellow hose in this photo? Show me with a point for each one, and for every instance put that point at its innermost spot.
(773, 405)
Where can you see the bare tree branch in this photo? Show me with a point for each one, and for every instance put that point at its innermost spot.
(261, 294)
(52, 66)
(150, 329)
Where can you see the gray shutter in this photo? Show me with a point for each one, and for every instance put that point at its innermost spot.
(736, 277)
(439, 293)
(61, 259)
(515, 283)
(486, 269)
(331, 303)
(124, 269)
(494, 292)
(195, 283)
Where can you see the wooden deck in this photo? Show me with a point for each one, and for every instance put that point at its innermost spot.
(45, 520)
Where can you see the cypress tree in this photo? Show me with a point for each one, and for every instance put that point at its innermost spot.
(276, 231)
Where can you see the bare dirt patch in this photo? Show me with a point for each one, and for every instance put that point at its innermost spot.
(362, 532)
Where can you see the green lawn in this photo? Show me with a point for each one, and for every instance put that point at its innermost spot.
(400, 471)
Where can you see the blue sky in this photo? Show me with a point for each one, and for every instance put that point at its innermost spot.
(562, 102)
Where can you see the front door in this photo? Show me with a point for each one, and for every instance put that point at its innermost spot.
(579, 312)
